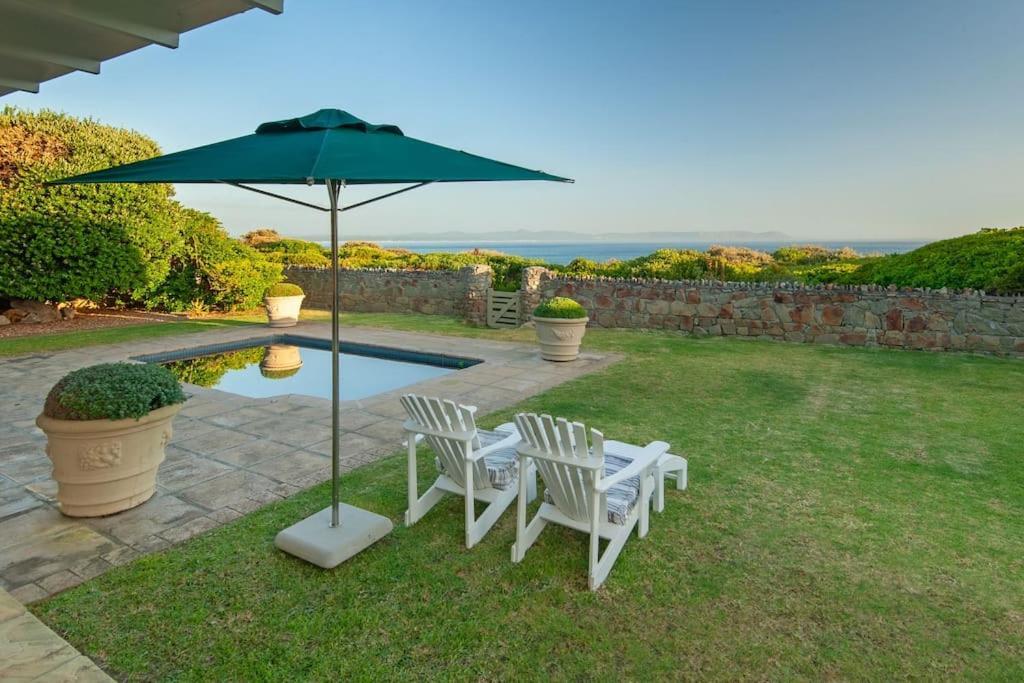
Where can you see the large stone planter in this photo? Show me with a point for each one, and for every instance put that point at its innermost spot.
(283, 311)
(106, 466)
(560, 338)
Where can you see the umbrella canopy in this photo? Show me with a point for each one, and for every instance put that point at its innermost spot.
(327, 145)
(333, 148)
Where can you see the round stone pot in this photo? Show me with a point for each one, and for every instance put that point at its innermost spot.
(106, 466)
(560, 338)
(280, 358)
(283, 311)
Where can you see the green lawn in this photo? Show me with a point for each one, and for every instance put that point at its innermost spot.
(852, 514)
(62, 341)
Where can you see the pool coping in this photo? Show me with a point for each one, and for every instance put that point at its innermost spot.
(440, 360)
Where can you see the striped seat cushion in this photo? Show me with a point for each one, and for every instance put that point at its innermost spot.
(502, 465)
(622, 497)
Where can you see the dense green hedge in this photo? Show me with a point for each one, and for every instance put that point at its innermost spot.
(212, 270)
(131, 243)
(71, 241)
(991, 260)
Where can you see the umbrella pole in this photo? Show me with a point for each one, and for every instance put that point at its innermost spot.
(333, 190)
(321, 538)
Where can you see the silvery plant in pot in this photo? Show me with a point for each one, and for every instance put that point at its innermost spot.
(106, 428)
(283, 302)
(561, 324)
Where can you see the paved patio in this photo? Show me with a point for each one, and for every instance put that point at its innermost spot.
(229, 454)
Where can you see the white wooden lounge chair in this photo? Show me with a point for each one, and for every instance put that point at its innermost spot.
(587, 488)
(473, 460)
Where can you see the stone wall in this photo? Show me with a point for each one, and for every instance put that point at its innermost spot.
(854, 316)
(460, 293)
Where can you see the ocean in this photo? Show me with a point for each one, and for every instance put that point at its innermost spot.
(563, 252)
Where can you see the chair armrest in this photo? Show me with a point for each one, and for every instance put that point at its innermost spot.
(509, 441)
(647, 458)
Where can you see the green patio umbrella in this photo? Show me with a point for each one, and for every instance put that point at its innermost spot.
(332, 148)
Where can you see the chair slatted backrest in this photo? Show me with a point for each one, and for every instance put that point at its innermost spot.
(442, 416)
(569, 467)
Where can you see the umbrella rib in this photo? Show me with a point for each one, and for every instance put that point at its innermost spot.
(384, 196)
(275, 195)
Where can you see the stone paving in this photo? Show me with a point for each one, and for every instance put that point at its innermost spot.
(229, 454)
(29, 651)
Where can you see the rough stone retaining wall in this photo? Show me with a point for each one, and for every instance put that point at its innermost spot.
(937, 320)
(855, 316)
(442, 292)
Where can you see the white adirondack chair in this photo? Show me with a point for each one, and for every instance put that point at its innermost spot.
(474, 463)
(587, 488)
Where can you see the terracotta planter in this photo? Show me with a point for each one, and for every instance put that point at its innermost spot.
(283, 311)
(280, 358)
(560, 338)
(106, 466)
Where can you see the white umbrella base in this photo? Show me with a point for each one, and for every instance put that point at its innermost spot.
(317, 542)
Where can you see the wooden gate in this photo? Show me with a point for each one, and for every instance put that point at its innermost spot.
(502, 309)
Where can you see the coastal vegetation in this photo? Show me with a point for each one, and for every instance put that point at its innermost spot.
(991, 260)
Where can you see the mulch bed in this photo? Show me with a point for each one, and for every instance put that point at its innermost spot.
(87, 320)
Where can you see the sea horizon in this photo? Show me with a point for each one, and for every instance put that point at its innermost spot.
(562, 252)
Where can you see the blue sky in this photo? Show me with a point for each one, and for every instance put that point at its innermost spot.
(826, 120)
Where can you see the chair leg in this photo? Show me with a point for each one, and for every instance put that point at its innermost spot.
(526, 535)
(646, 483)
(423, 505)
(600, 568)
(681, 477)
(531, 484)
(659, 492)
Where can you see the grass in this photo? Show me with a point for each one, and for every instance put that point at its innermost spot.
(852, 514)
(62, 341)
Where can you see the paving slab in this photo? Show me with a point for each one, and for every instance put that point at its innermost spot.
(29, 651)
(228, 454)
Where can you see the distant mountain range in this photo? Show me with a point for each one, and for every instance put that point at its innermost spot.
(569, 236)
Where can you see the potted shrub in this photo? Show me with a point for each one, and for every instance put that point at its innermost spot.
(106, 428)
(560, 323)
(283, 302)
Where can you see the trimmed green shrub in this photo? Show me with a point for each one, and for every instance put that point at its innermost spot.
(113, 391)
(559, 307)
(285, 289)
(213, 269)
(67, 241)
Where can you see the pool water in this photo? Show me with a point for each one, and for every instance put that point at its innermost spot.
(282, 368)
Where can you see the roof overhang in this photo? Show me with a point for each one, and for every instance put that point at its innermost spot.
(45, 39)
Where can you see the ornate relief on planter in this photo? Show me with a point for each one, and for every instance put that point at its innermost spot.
(105, 466)
(100, 456)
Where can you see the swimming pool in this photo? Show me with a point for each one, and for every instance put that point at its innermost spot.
(291, 364)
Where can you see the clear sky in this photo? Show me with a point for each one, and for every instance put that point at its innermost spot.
(868, 119)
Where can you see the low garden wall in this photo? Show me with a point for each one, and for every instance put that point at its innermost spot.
(460, 293)
(864, 315)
